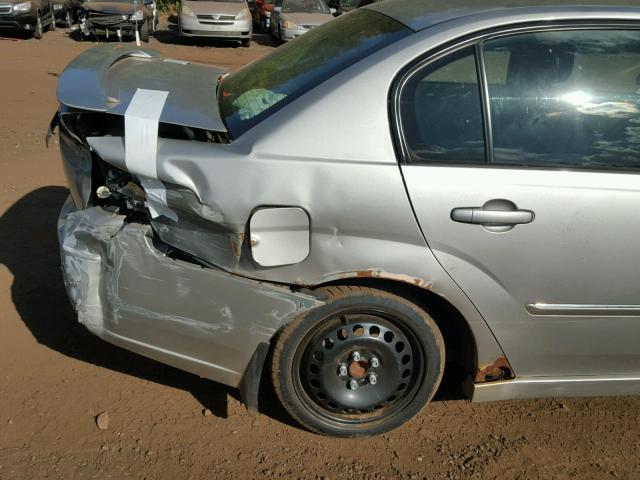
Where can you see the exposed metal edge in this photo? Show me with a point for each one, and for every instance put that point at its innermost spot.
(582, 310)
(250, 383)
(211, 371)
(542, 387)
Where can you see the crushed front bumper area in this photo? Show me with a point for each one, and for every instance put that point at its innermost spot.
(105, 25)
(127, 291)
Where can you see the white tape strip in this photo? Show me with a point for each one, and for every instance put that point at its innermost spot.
(141, 146)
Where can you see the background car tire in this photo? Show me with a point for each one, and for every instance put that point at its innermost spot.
(52, 25)
(144, 32)
(38, 31)
(312, 353)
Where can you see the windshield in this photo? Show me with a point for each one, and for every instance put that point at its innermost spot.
(304, 6)
(266, 85)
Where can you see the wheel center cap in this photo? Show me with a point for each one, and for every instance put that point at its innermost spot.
(358, 369)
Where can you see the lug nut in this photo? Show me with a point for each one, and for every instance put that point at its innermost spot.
(353, 384)
(103, 192)
(375, 362)
(355, 356)
(373, 379)
(343, 370)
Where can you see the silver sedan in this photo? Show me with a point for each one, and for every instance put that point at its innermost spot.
(403, 189)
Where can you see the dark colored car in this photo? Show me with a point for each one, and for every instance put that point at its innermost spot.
(65, 12)
(31, 16)
(261, 13)
(345, 6)
(121, 18)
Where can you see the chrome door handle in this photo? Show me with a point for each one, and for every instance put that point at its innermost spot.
(484, 216)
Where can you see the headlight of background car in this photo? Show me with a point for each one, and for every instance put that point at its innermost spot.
(290, 25)
(244, 14)
(22, 7)
(57, 6)
(187, 11)
(138, 16)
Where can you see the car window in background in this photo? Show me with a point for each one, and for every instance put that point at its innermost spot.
(304, 6)
(258, 90)
(441, 113)
(568, 98)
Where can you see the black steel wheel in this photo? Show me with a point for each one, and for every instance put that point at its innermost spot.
(362, 364)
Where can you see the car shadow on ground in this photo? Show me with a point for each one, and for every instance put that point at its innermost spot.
(29, 249)
(28, 237)
(10, 36)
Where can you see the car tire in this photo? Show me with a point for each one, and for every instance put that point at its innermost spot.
(358, 334)
(144, 32)
(38, 30)
(246, 43)
(52, 25)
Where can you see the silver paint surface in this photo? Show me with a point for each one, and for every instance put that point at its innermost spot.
(202, 320)
(343, 171)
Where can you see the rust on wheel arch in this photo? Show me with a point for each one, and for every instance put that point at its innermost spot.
(500, 369)
(376, 273)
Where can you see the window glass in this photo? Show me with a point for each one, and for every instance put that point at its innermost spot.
(569, 98)
(305, 6)
(440, 111)
(261, 88)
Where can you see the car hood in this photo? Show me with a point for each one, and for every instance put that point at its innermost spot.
(307, 18)
(116, 8)
(214, 8)
(105, 78)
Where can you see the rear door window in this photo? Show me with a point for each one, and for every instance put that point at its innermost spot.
(565, 98)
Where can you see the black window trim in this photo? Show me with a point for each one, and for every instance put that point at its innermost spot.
(476, 41)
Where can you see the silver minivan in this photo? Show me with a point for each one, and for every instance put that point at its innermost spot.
(405, 188)
(220, 19)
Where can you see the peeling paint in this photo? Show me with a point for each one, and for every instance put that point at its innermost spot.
(378, 273)
(500, 369)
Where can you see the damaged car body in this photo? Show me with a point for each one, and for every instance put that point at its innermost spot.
(118, 18)
(211, 218)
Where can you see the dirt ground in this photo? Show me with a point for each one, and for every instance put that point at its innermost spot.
(163, 423)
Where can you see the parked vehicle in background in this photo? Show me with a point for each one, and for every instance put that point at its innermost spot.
(118, 18)
(262, 12)
(32, 16)
(402, 187)
(345, 6)
(224, 20)
(65, 12)
(292, 18)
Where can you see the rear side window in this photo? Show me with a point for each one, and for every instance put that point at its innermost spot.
(258, 90)
(566, 98)
(441, 113)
